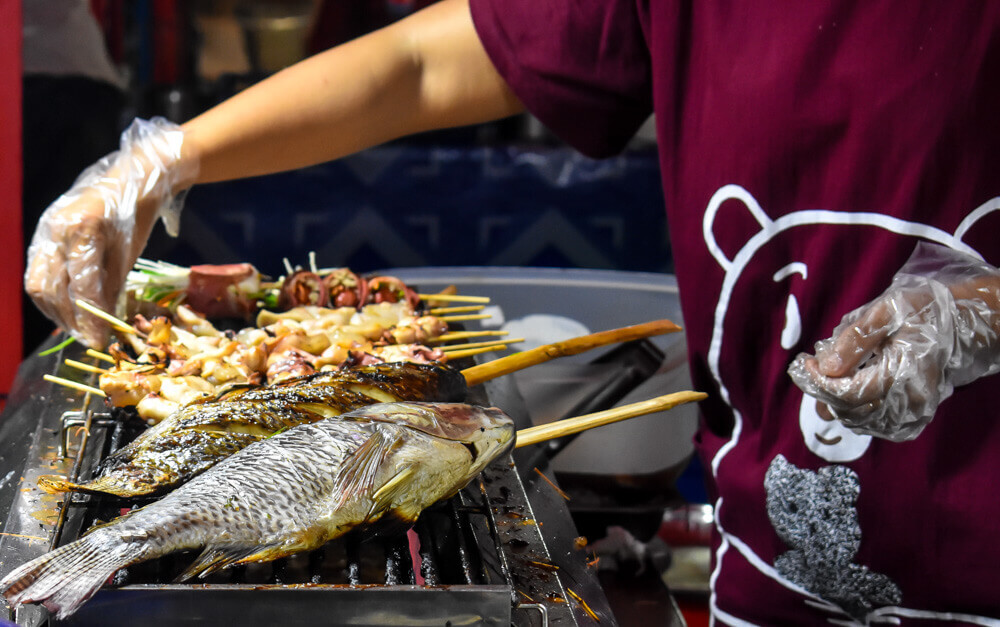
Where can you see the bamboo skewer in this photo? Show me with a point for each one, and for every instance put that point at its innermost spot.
(118, 324)
(101, 356)
(123, 365)
(439, 311)
(79, 365)
(458, 347)
(569, 426)
(73, 384)
(453, 298)
(475, 351)
(463, 335)
(573, 346)
(464, 317)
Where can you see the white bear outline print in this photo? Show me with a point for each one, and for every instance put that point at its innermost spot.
(829, 441)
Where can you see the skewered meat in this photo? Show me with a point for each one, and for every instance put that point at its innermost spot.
(303, 288)
(237, 290)
(223, 291)
(345, 288)
(295, 343)
(389, 289)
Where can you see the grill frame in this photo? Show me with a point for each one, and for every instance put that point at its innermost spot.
(528, 569)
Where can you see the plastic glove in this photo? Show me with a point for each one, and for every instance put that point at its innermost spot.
(891, 362)
(89, 238)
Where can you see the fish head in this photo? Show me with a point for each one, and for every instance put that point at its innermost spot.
(487, 432)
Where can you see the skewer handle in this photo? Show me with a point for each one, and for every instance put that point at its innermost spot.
(453, 298)
(569, 426)
(117, 323)
(573, 346)
(74, 385)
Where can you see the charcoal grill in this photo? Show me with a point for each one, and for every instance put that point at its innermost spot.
(501, 552)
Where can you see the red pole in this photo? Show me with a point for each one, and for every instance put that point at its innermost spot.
(11, 263)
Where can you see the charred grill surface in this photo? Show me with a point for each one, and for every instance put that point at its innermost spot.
(479, 552)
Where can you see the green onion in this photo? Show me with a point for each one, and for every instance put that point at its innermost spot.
(58, 347)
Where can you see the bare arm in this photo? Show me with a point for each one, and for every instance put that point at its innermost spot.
(428, 71)
(425, 72)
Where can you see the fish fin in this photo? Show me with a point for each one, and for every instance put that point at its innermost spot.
(65, 578)
(321, 410)
(54, 484)
(383, 497)
(210, 560)
(215, 558)
(358, 472)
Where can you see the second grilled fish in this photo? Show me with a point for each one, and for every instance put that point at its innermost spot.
(199, 435)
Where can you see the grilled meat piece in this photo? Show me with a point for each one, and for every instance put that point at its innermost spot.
(283, 495)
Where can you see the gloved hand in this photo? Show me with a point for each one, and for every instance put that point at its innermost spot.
(890, 363)
(89, 238)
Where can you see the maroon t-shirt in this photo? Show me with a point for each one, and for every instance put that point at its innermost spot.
(806, 147)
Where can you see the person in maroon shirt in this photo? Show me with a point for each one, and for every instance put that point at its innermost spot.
(808, 151)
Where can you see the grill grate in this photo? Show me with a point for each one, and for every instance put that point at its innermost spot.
(478, 555)
(449, 553)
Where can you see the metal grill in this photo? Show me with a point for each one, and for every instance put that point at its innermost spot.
(501, 552)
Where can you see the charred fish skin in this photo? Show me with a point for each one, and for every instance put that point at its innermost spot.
(201, 434)
(283, 495)
(403, 380)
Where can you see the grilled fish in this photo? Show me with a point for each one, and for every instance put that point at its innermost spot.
(286, 494)
(199, 435)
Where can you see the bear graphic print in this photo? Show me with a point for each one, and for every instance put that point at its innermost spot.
(835, 527)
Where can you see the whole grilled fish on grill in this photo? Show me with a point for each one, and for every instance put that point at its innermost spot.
(199, 435)
(286, 494)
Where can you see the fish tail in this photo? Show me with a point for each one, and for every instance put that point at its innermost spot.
(65, 578)
(54, 484)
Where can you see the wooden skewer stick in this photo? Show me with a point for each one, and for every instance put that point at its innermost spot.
(79, 365)
(124, 365)
(476, 351)
(439, 311)
(121, 325)
(569, 426)
(463, 335)
(453, 298)
(101, 356)
(572, 346)
(464, 317)
(74, 385)
(459, 347)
